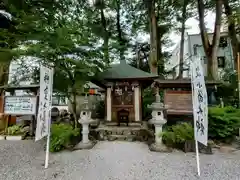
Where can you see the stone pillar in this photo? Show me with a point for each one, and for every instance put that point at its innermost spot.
(109, 103)
(158, 121)
(158, 131)
(85, 132)
(136, 102)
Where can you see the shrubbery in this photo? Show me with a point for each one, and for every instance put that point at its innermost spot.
(223, 123)
(178, 134)
(223, 126)
(62, 136)
(15, 130)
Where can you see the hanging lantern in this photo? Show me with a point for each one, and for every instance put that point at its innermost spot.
(91, 91)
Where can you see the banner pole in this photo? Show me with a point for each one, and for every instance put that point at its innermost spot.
(194, 120)
(49, 124)
(197, 157)
(47, 150)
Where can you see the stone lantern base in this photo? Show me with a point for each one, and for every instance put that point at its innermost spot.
(156, 147)
(82, 145)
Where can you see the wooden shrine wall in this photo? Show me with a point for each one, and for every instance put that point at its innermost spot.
(178, 102)
(123, 99)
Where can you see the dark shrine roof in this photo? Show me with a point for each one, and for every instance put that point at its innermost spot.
(179, 83)
(125, 71)
(20, 87)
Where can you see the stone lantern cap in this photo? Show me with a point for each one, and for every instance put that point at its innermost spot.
(85, 115)
(158, 109)
(157, 106)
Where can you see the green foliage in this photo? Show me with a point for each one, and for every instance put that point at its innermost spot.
(178, 134)
(100, 109)
(2, 124)
(15, 130)
(148, 99)
(223, 122)
(62, 136)
(227, 91)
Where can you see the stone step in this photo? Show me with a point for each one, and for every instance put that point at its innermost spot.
(121, 138)
(122, 132)
(130, 124)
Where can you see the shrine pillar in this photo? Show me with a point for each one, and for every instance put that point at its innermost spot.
(109, 102)
(136, 101)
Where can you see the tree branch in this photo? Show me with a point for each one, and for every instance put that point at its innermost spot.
(217, 26)
(203, 30)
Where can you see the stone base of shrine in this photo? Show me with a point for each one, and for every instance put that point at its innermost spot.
(130, 124)
(82, 145)
(159, 148)
(133, 132)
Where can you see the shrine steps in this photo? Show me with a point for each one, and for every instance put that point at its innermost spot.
(123, 133)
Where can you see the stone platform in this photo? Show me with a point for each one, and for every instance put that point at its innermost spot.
(133, 132)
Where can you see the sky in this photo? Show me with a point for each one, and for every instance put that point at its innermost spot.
(192, 25)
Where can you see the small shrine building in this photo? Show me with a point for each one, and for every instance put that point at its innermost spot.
(124, 85)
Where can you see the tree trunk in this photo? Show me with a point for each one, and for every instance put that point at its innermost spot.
(211, 49)
(232, 31)
(160, 57)
(151, 40)
(204, 36)
(74, 107)
(105, 37)
(119, 30)
(216, 39)
(4, 74)
(153, 37)
(181, 59)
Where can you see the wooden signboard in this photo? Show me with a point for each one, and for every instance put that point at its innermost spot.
(20, 105)
(178, 102)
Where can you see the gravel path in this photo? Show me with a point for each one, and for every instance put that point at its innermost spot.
(112, 161)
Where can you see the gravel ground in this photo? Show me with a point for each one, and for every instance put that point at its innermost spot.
(24, 160)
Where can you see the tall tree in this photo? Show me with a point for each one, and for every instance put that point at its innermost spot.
(153, 29)
(183, 20)
(5, 44)
(211, 48)
(61, 39)
(232, 29)
(104, 30)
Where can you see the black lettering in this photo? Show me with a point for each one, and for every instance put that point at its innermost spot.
(200, 96)
(200, 110)
(199, 125)
(198, 73)
(46, 93)
(46, 78)
(199, 85)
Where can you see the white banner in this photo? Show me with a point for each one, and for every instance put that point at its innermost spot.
(45, 103)
(200, 102)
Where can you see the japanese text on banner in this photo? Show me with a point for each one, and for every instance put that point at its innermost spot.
(200, 103)
(45, 102)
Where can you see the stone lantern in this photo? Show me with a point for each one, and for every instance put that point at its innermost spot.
(158, 121)
(85, 120)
